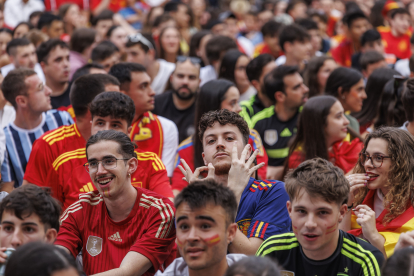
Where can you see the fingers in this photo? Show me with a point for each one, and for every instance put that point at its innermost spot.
(185, 165)
(3, 256)
(244, 152)
(406, 239)
(182, 170)
(358, 179)
(251, 159)
(255, 168)
(199, 170)
(234, 152)
(211, 171)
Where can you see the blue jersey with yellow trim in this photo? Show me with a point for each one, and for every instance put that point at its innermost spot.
(262, 209)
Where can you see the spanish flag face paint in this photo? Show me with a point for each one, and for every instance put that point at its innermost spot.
(179, 243)
(212, 240)
(106, 193)
(331, 229)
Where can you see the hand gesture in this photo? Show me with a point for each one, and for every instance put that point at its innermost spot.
(191, 177)
(405, 240)
(356, 181)
(366, 219)
(3, 256)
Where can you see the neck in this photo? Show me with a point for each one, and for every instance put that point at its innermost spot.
(153, 69)
(138, 115)
(120, 207)
(84, 126)
(222, 179)
(170, 57)
(410, 127)
(182, 104)
(243, 89)
(58, 88)
(394, 32)
(284, 113)
(26, 119)
(216, 269)
(69, 28)
(325, 252)
(264, 99)
(291, 61)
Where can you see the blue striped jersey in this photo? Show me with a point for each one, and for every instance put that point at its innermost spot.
(19, 144)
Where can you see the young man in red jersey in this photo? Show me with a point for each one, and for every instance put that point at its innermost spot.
(122, 230)
(150, 132)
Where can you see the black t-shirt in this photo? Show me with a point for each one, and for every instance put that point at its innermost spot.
(184, 119)
(275, 134)
(353, 256)
(62, 100)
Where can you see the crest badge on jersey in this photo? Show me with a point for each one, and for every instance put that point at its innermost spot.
(287, 273)
(94, 245)
(270, 136)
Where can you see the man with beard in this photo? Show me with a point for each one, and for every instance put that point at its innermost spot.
(178, 104)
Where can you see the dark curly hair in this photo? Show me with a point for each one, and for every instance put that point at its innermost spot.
(31, 199)
(114, 104)
(401, 175)
(223, 117)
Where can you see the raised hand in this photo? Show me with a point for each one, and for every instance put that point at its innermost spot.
(191, 177)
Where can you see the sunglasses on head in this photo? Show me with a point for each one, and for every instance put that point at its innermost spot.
(193, 60)
(140, 38)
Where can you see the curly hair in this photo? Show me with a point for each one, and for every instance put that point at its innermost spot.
(401, 174)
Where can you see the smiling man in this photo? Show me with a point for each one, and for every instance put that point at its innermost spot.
(205, 225)
(122, 230)
(318, 193)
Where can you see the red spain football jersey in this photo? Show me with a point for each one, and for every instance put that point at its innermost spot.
(148, 230)
(150, 174)
(399, 46)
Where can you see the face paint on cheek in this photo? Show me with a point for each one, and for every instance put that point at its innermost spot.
(331, 229)
(106, 193)
(179, 243)
(213, 240)
(295, 229)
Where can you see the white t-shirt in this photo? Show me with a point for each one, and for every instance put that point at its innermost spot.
(403, 67)
(170, 144)
(161, 79)
(16, 11)
(247, 45)
(38, 69)
(7, 115)
(207, 73)
(248, 94)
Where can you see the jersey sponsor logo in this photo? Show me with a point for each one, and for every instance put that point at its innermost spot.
(286, 133)
(270, 136)
(87, 188)
(94, 245)
(115, 237)
(244, 225)
(287, 273)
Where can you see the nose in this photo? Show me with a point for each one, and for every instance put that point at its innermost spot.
(220, 142)
(364, 95)
(16, 238)
(101, 169)
(346, 121)
(305, 88)
(151, 92)
(310, 222)
(192, 234)
(48, 91)
(238, 108)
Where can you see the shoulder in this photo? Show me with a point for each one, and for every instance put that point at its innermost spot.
(163, 96)
(67, 156)
(262, 115)
(86, 200)
(149, 159)
(383, 29)
(278, 243)
(60, 134)
(167, 125)
(187, 143)
(169, 66)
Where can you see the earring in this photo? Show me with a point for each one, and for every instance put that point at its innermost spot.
(129, 175)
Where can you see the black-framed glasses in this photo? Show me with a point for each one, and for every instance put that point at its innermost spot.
(108, 163)
(138, 37)
(376, 159)
(193, 60)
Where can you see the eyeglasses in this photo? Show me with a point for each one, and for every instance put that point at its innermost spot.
(140, 38)
(108, 163)
(376, 159)
(193, 60)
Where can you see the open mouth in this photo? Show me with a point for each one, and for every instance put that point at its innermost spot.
(372, 176)
(310, 237)
(105, 181)
(194, 252)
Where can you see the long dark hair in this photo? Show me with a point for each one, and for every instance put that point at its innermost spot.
(228, 64)
(162, 51)
(374, 88)
(209, 98)
(195, 42)
(341, 77)
(311, 74)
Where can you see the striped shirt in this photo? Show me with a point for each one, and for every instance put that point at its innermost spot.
(19, 144)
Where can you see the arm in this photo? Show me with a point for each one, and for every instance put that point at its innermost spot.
(7, 174)
(132, 264)
(104, 4)
(274, 172)
(243, 245)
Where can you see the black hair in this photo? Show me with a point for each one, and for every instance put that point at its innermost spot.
(292, 33)
(81, 39)
(307, 23)
(122, 71)
(143, 46)
(400, 263)
(34, 14)
(114, 104)
(341, 77)
(273, 81)
(6, 30)
(104, 15)
(394, 12)
(171, 6)
(201, 193)
(217, 46)
(271, 28)
(254, 266)
(195, 42)
(311, 74)
(31, 199)
(408, 100)
(255, 67)
(228, 65)
(321, 16)
(411, 63)
(370, 57)
(161, 19)
(85, 70)
(210, 97)
(353, 15)
(370, 36)
(375, 16)
(103, 50)
(46, 47)
(39, 259)
(126, 146)
(110, 30)
(292, 5)
(14, 43)
(374, 87)
(28, 24)
(46, 20)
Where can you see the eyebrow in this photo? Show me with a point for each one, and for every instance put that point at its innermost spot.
(318, 209)
(181, 218)
(206, 218)
(106, 156)
(377, 152)
(24, 223)
(225, 133)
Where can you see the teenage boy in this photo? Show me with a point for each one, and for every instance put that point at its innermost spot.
(51, 25)
(31, 100)
(204, 218)
(370, 61)
(270, 44)
(408, 103)
(277, 123)
(140, 49)
(318, 194)
(150, 132)
(227, 159)
(121, 229)
(256, 70)
(106, 54)
(356, 23)
(28, 214)
(397, 36)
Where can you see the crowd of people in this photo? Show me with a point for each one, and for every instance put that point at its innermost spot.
(205, 137)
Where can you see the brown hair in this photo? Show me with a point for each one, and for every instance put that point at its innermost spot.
(318, 177)
(14, 84)
(401, 175)
(223, 117)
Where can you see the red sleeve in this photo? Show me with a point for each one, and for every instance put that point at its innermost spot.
(158, 180)
(40, 161)
(295, 159)
(53, 181)
(159, 239)
(256, 142)
(336, 55)
(69, 234)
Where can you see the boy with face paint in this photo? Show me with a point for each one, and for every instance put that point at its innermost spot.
(205, 215)
(318, 193)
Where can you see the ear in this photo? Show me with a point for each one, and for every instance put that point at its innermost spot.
(129, 130)
(342, 212)
(411, 74)
(51, 235)
(256, 85)
(288, 47)
(289, 208)
(231, 232)
(340, 93)
(132, 165)
(42, 64)
(44, 29)
(21, 100)
(151, 53)
(204, 159)
(280, 97)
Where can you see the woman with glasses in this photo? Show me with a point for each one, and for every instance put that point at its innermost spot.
(169, 43)
(381, 198)
(233, 68)
(323, 132)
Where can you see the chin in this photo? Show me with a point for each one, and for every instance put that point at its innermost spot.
(222, 168)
